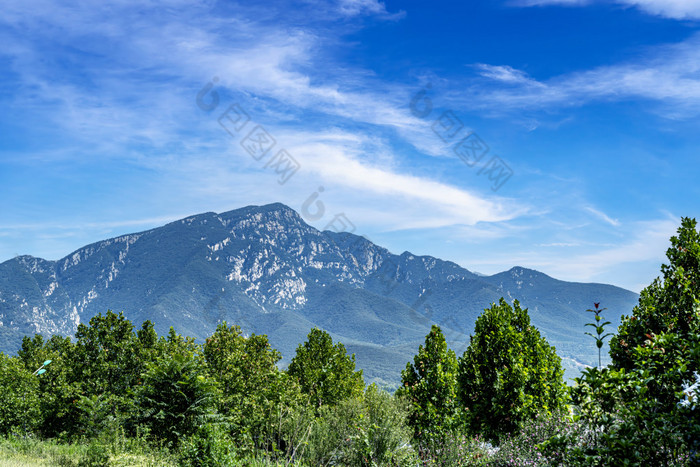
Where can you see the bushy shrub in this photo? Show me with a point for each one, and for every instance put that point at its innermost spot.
(385, 437)
(209, 446)
(363, 431)
(622, 425)
(543, 440)
(455, 449)
(96, 455)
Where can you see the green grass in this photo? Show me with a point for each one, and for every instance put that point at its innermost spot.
(20, 451)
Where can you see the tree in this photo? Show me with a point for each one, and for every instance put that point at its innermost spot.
(430, 384)
(19, 408)
(668, 306)
(325, 372)
(58, 388)
(639, 404)
(622, 415)
(508, 373)
(108, 352)
(254, 389)
(176, 396)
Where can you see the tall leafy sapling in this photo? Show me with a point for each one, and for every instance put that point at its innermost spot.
(599, 329)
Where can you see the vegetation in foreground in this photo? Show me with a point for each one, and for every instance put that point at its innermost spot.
(113, 396)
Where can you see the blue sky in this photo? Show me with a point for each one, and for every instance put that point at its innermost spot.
(589, 111)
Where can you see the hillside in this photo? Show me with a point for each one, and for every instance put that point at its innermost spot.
(264, 268)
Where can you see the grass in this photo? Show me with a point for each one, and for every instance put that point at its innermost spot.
(28, 451)
(20, 451)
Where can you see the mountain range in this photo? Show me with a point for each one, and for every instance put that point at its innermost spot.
(265, 269)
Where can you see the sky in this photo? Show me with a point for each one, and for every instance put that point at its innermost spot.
(557, 135)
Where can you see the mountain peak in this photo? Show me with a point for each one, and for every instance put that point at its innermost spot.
(276, 210)
(517, 271)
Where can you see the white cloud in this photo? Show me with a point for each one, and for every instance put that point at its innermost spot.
(186, 46)
(148, 100)
(676, 9)
(340, 159)
(372, 7)
(670, 76)
(507, 74)
(601, 215)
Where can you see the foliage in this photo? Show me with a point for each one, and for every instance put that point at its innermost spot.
(364, 431)
(508, 373)
(176, 396)
(324, 371)
(599, 327)
(108, 354)
(19, 401)
(627, 422)
(112, 358)
(671, 305)
(58, 388)
(254, 389)
(638, 407)
(386, 436)
(455, 449)
(96, 415)
(537, 441)
(430, 384)
(29, 450)
(95, 456)
(210, 445)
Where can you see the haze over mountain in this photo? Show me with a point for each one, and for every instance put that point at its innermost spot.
(265, 269)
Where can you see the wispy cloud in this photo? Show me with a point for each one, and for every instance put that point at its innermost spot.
(373, 7)
(623, 260)
(669, 76)
(601, 215)
(676, 9)
(124, 101)
(507, 74)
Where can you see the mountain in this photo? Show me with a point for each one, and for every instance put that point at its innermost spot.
(264, 268)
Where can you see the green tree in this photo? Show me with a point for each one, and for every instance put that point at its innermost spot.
(108, 352)
(430, 385)
(176, 396)
(19, 406)
(671, 305)
(107, 362)
(58, 388)
(176, 344)
(638, 406)
(254, 389)
(625, 420)
(508, 373)
(325, 372)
